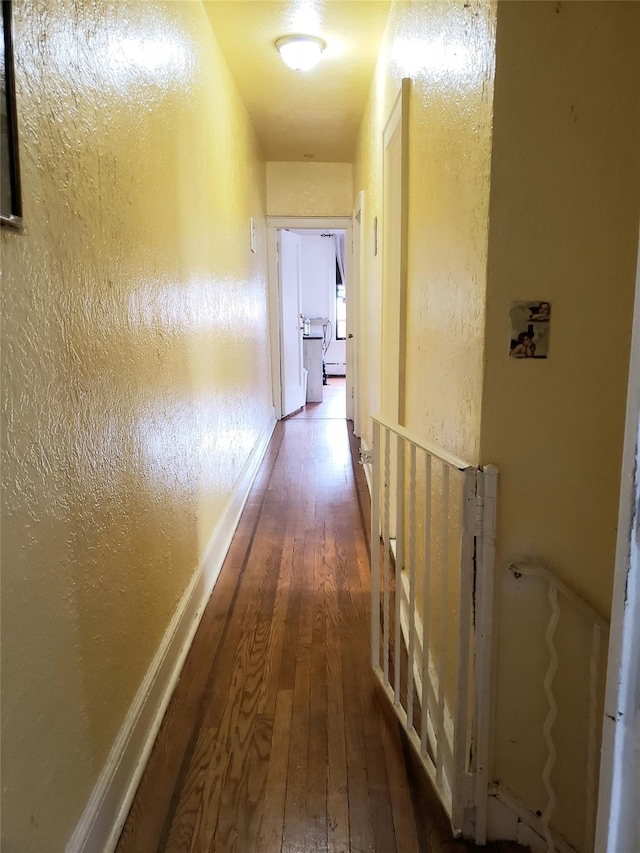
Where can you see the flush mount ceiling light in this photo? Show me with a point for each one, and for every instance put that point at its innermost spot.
(300, 52)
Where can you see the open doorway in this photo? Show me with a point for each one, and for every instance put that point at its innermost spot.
(324, 298)
(321, 327)
(324, 306)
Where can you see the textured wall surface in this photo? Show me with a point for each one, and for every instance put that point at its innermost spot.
(135, 373)
(447, 50)
(309, 189)
(563, 228)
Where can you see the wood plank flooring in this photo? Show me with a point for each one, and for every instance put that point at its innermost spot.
(334, 401)
(277, 739)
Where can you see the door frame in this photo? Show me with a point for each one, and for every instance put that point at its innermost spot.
(620, 754)
(274, 224)
(395, 264)
(393, 303)
(353, 312)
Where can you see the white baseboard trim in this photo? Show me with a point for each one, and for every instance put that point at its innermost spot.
(100, 826)
(509, 819)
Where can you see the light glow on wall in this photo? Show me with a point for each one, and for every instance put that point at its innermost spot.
(149, 55)
(194, 305)
(436, 57)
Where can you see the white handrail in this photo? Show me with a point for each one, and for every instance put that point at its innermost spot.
(543, 572)
(549, 720)
(429, 447)
(599, 626)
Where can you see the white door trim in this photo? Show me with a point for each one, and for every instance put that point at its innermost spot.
(354, 305)
(618, 825)
(395, 263)
(274, 320)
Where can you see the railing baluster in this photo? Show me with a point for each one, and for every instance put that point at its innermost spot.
(426, 544)
(412, 582)
(444, 565)
(465, 620)
(483, 605)
(386, 545)
(375, 549)
(400, 480)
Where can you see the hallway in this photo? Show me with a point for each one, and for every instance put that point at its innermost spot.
(481, 160)
(276, 738)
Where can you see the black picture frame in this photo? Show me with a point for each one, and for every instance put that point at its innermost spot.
(10, 192)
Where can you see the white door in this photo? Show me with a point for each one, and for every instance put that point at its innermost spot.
(291, 374)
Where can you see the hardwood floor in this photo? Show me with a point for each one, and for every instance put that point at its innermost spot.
(276, 739)
(334, 401)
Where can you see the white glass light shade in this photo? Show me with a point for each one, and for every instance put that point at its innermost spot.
(300, 52)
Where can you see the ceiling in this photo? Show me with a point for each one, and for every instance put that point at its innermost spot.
(312, 115)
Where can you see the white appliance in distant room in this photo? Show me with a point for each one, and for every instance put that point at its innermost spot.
(313, 360)
(317, 335)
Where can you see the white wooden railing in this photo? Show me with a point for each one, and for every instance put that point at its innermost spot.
(433, 529)
(581, 649)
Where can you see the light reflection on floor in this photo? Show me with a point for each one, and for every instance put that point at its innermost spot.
(331, 445)
(333, 403)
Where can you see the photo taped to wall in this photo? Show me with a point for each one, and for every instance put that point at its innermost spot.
(530, 322)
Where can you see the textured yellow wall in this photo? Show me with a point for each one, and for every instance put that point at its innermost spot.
(447, 51)
(564, 228)
(309, 189)
(367, 177)
(135, 375)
